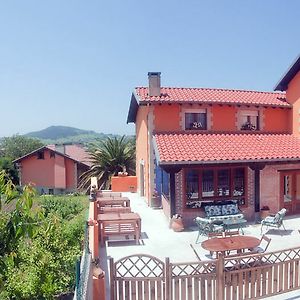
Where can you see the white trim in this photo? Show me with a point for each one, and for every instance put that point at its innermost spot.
(206, 110)
(251, 113)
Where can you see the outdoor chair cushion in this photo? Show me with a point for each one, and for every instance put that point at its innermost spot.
(206, 226)
(223, 211)
(213, 210)
(274, 221)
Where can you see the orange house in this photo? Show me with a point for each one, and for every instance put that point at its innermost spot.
(197, 145)
(53, 169)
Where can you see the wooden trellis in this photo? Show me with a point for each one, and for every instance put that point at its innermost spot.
(141, 277)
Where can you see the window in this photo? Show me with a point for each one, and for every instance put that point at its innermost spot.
(214, 184)
(196, 120)
(208, 184)
(249, 120)
(223, 183)
(238, 182)
(52, 154)
(40, 155)
(165, 187)
(192, 188)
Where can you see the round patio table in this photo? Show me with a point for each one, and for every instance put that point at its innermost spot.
(226, 244)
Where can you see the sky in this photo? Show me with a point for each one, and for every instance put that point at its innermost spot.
(76, 63)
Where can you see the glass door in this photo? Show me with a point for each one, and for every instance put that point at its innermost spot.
(290, 187)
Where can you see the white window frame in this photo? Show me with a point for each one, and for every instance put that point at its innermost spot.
(196, 111)
(250, 113)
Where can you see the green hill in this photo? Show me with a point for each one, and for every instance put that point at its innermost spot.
(65, 134)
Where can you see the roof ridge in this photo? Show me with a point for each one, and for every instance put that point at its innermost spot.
(218, 89)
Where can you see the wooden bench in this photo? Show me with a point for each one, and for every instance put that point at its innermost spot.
(119, 228)
(114, 209)
(108, 194)
(106, 202)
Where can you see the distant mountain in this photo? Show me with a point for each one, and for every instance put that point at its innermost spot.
(65, 134)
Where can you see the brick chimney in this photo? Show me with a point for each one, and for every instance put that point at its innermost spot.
(154, 83)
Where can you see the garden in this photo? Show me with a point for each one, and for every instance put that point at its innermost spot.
(41, 239)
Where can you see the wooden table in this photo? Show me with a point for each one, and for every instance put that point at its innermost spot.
(119, 224)
(238, 243)
(113, 201)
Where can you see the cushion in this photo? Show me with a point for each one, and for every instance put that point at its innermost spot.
(230, 209)
(213, 210)
(226, 217)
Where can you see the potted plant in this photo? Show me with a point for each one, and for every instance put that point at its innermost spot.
(176, 223)
(264, 212)
(155, 199)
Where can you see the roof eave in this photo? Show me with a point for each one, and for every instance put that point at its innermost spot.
(133, 108)
(282, 85)
(145, 102)
(209, 162)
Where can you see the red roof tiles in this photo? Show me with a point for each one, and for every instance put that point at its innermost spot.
(192, 148)
(206, 95)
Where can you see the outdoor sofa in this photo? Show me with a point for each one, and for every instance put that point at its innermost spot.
(220, 211)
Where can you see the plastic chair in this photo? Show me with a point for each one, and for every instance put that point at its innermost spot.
(263, 245)
(274, 220)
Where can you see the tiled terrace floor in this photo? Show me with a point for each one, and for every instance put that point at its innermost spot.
(160, 241)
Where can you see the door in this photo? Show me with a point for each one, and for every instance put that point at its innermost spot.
(290, 187)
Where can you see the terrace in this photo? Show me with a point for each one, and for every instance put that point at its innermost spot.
(159, 241)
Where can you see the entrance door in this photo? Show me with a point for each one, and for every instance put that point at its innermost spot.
(290, 185)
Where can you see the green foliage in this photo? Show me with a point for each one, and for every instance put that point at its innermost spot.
(108, 158)
(40, 240)
(17, 146)
(65, 207)
(9, 168)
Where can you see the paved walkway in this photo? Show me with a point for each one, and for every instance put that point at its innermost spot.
(160, 241)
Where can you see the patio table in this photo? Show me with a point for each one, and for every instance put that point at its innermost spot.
(119, 224)
(223, 245)
(113, 201)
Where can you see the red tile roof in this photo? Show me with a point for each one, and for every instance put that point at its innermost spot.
(76, 152)
(192, 148)
(206, 95)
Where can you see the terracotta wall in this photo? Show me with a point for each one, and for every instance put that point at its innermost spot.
(277, 120)
(166, 118)
(223, 118)
(59, 172)
(142, 152)
(38, 171)
(293, 97)
(71, 181)
(124, 184)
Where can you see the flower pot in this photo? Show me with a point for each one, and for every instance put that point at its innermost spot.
(176, 224)
(156, 202)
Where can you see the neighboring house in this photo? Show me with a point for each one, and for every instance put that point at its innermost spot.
(53, 169)
(195, 145)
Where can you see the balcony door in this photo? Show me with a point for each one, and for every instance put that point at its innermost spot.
(290, 191)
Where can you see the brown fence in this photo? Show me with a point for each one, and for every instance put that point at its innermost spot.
(243, 277)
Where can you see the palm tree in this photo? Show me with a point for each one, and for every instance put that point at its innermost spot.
(109, 157)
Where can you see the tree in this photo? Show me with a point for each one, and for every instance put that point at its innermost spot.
(108, 158)
(9, 168)
(18, 146)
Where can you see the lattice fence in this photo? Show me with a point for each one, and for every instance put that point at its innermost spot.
(242, 277)
(137, 277)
